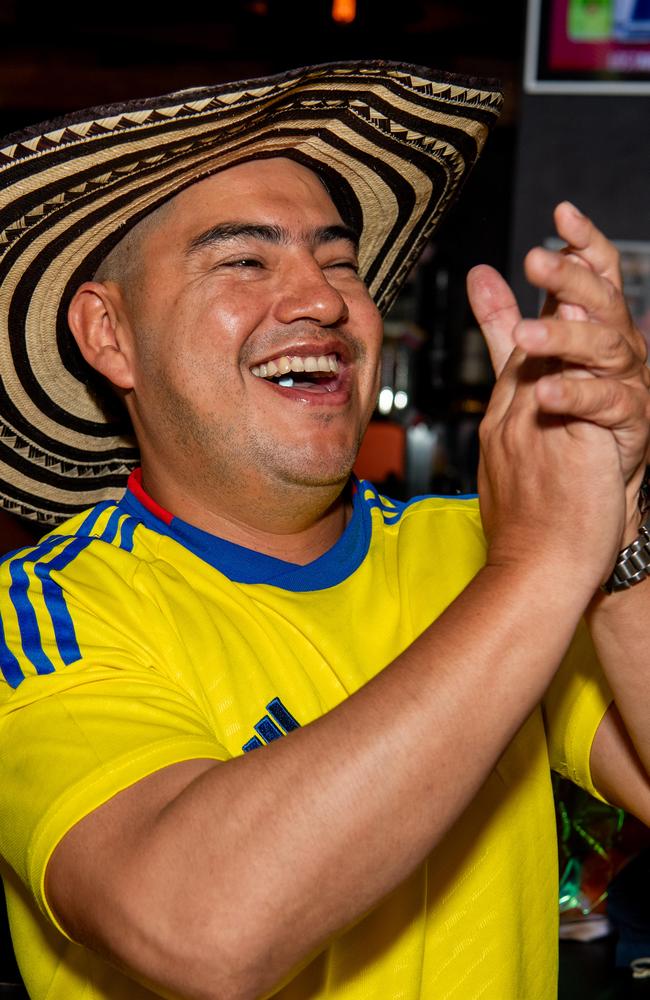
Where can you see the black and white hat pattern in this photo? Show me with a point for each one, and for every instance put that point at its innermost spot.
(393, 143)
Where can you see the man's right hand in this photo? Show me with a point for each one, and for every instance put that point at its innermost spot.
(587, 339)
(550, 482)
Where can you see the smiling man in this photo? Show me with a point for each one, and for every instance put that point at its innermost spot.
(209, 321)
(264, 731)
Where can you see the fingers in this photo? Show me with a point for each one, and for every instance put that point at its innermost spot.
(601, 350)
(571, 282)
(587, 242)
(583, 281)
(565, 310)
(508, 385)
(585, 331)
(608, 403)
(575, 284)
(496, 312)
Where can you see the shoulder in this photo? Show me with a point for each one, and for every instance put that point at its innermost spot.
(428, 549)
(103, 533)
(448, 514)
(61, 593)
(434, 536)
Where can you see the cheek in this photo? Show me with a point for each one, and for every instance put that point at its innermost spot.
(371, 322)
(223, 325)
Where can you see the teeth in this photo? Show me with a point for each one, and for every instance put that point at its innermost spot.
(326, 363)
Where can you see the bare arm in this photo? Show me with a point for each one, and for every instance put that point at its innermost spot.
(619, 625)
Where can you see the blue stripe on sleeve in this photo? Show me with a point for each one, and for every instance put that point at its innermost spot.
(93, 517)
(129, 524)
(8, 662)
(30, 634)
(64, 632)
(53, 596)
(110, 531)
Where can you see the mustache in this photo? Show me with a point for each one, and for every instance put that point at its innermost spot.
(279, 340)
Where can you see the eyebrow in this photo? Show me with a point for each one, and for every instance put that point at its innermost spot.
(225, 232)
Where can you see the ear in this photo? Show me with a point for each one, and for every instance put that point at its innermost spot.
(98, 321)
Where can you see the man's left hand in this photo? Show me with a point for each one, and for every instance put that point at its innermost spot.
(585, 329)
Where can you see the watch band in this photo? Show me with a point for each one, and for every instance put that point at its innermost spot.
(633, 562)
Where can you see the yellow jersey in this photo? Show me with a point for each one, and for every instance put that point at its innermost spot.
(132, 640)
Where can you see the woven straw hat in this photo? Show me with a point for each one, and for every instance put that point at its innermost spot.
(393, 143)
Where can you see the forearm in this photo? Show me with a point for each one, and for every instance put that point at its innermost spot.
(260, 860)
(619, 626)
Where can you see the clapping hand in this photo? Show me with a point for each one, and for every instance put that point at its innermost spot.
(583, 360)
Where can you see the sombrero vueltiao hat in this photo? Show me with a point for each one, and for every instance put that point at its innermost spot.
(393, 143)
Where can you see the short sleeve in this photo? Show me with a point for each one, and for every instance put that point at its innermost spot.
(74, 734)
(574, 706)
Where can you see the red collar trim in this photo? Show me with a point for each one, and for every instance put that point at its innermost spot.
(134, 484)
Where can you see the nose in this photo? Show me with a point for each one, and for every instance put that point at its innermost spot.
(305, 293)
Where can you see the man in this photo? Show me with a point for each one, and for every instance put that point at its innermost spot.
(395, 836)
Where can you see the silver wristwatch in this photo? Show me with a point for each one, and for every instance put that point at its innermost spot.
(633, 562)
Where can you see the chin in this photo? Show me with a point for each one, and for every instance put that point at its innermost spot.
(333, 471)
(320, 477)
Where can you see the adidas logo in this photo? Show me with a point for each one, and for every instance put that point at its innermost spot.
(277, 723)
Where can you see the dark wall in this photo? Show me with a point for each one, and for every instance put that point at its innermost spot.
(594, 151)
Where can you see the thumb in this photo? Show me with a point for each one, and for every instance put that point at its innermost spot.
(496, 312)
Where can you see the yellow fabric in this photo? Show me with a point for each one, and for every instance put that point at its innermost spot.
(576, 696)
(176, 661)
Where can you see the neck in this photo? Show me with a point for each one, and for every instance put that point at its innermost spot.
(301, 526)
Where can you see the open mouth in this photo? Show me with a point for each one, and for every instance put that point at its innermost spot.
(314, 373)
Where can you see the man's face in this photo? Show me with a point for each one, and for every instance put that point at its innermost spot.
(256, 343)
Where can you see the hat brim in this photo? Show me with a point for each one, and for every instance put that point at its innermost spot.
(393, 143)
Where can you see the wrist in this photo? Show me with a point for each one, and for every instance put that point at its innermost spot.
(637, 504)
(571, 577)
(632, 564)
(633, 523)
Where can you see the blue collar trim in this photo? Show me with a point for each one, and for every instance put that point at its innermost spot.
(242, 565)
